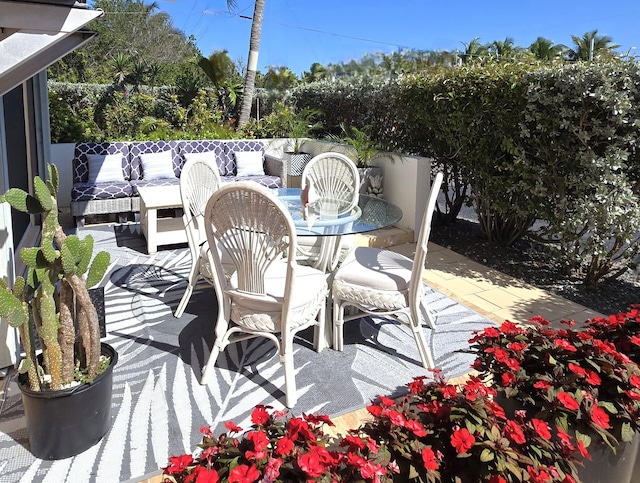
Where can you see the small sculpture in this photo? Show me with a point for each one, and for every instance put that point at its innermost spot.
(375, 186)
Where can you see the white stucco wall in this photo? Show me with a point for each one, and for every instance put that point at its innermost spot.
(62, 156)
(406, 183)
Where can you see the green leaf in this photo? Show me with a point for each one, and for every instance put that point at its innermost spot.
(98, 268)
(609, 406)
(12, 309)
(42, 193)
(627, 432)
(29, 256)
(585, 438)
(486, 455)
(54, 178)
(86, 247)
(68, 260)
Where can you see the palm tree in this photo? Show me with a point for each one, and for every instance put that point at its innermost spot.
(591, 45)
(252, 64)
(473, 50)
(545, 49)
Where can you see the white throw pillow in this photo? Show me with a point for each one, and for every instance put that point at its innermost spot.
(105, 168)
(208, 156)
(157, 165)
(249, 163)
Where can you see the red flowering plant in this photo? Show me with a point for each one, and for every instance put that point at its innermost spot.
(574, 379)
(441, 432)
(621, 329)
(277, 449)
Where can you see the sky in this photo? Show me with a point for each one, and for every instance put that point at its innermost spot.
(297, 33)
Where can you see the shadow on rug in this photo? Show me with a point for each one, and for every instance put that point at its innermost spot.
(159, 405)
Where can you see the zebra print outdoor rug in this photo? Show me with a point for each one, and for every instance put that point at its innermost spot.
(159, 405)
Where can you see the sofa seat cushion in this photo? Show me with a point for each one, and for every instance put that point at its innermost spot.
(100, 191)
(136, 183)
(266, 180)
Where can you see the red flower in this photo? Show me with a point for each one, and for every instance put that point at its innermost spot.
(593, 378)
(259, 439)
(576, 369)
(416, 385)
(369, 470)
(635, 339)
(517, 346)
(201, 474)
(568, 401)
(177, 464)
(635, 380)
(462, 440)
(272, 470)
(310, 464)
(583, 450)
(514, 432)
(600, 417)
(497, 479)
(539, 475)
(284, 446)
(541, 385)
(429, 459)
(508, 378)
(232, 427)
(375, 410)
(542, 428)
(386, 401)
(416, 427)
(318, 419)
(244, 474)
(565, 344)
(397, 418)
(449, 391)
(259, 415)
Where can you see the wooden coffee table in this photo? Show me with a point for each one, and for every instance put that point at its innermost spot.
(160, 231)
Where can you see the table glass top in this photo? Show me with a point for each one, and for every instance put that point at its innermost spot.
(322, 217)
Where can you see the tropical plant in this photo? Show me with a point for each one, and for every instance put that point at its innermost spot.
(580, 383)
(591, 46)
(441, 432)
(54, 296)
(545, 49)
(276, 450)
(364, 148)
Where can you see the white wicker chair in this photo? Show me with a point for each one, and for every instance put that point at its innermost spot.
(383, 282)
(334, 177)
(261, 298)
(198, 181)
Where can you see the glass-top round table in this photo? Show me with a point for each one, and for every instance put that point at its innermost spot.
(331, 219)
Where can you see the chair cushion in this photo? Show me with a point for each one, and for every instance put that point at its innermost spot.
(249, 163)
(105, 168)
(309, 290)
(374, 277)
(376, 269)
(157, 165)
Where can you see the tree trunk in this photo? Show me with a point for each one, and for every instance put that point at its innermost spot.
(252, 64)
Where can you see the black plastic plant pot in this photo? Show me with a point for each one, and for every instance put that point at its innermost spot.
(65, 423)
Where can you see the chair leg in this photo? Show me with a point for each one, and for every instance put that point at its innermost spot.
(208, 368)
(320, 336)
(194, 273)
(338, 325)
(184, 301)
(423, 348)
(291, 397)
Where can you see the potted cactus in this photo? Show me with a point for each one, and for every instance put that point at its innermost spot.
(66, 386)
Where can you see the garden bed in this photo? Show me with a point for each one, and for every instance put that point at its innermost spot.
(527, 262)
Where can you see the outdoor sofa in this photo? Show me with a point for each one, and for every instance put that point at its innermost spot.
(107, 175)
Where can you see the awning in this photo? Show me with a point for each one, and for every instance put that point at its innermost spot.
(35, 35)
